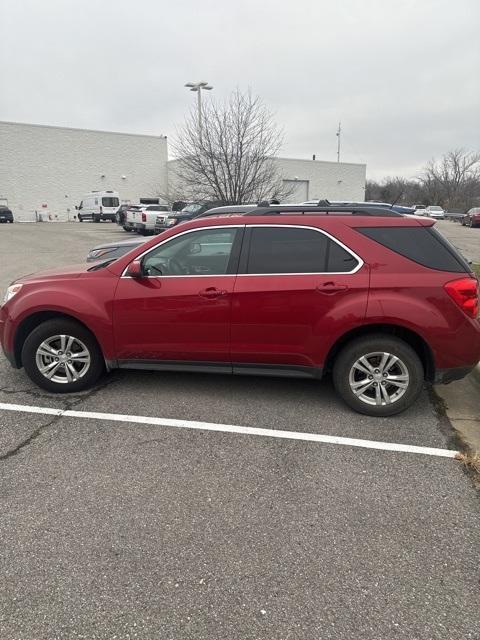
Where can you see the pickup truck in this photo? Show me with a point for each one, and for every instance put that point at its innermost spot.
(141, 218)
(189, 212)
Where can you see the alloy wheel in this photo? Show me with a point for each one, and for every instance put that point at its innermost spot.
(379, 378)
(63, 359)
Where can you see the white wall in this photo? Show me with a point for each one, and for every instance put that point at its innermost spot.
(56, 166)
(330, 180)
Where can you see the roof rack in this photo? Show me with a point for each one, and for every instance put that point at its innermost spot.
(300, 209)
(323, 210)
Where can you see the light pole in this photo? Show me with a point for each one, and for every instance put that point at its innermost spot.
(339, 133)
(198, 86)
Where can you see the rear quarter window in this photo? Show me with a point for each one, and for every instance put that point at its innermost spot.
(423, 245)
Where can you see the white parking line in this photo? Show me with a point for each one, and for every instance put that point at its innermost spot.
(230, 428)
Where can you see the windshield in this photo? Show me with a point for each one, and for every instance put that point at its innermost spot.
(158, 207)
(110, 202)
(435, 208)
(192, 208)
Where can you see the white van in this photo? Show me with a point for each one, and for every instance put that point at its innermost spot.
(98, 205)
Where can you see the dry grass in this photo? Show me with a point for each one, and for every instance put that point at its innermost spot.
(472, 462)
(476, 268)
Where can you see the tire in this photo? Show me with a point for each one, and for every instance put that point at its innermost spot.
(50, 333)
(408, 369)
(96, 218)
(126, 228)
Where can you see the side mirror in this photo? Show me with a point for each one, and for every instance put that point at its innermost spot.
(135, 269)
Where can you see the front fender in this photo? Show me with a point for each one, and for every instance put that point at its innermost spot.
(89, 305)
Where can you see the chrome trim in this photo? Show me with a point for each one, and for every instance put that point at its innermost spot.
(242, 275)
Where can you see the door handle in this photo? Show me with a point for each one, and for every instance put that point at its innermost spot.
(331, 287)
(212, 292)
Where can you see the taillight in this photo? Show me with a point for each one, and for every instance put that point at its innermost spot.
(465, 293)
(144, 217)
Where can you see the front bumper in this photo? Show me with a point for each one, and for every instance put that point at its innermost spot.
(9, 354)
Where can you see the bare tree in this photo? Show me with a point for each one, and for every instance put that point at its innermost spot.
(454, 180)
(231, 158)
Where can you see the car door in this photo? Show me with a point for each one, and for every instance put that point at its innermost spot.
(297, 289)
(180, 310)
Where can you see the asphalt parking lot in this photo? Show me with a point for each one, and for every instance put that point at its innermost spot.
(203, 524)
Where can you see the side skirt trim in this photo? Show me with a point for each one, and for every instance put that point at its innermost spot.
(237, 368)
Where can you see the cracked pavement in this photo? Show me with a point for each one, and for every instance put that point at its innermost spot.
(118, 530)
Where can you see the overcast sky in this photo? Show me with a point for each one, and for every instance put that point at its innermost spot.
(403, 76)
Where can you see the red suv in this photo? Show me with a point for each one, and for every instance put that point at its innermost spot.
(382, 301)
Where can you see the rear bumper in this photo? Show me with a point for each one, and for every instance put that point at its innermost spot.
(445, 376)
(141, 227)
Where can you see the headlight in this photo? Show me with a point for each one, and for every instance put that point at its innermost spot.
(11, 291)
(171, 221)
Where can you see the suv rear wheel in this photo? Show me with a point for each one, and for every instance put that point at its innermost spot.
(62, 356)
(378, 375)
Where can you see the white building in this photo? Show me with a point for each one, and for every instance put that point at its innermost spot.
(319, 179)
(47, 170)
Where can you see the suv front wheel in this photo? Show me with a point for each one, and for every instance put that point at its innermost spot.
(62, 356)
(378, 375)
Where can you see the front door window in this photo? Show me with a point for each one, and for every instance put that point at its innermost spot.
(202, 252)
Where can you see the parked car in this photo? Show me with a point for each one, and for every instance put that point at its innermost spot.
(130, 216)
(419, 209)
(191, 211)
(121, 214)
(98, 205)
(382, 301)
(435, 212)
(6, 214)
(113, 250)
(142, 218)
(471, 219)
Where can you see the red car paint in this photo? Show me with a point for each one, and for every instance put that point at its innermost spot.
(271, 320)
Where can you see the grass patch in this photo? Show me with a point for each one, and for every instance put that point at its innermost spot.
(472, 462)
(476, 269)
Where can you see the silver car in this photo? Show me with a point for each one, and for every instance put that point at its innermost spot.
(113, 250)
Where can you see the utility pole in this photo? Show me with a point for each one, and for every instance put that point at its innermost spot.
(198, 86)
(339, 132)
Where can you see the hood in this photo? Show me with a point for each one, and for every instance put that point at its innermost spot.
(62, 273)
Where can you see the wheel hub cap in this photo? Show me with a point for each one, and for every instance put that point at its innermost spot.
(63, 359)
(379, 378)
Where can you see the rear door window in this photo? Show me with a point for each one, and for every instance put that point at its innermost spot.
(423, 245)
(295, 250)
(109, 202)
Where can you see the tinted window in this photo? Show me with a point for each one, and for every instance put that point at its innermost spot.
(340, 260)
(284, 250)
(109, 202)
(423, 245)
(158, 207)
(203, 252)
